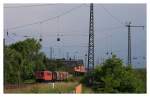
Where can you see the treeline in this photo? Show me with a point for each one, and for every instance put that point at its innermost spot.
(114, 77)
(23, 58)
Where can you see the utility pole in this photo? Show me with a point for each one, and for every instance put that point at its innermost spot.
(51, 52)
(67, 55)
(4, 41)
(85, 61)
(91, 39)
(129, 42)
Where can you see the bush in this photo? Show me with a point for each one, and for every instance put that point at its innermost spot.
(70, 79)
(114, 77)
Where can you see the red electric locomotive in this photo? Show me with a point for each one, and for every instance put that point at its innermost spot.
(43, 75)
(51, 76)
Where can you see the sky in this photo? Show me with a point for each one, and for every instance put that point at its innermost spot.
(70, 23)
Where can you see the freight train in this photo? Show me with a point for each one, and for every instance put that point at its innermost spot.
(51, 76)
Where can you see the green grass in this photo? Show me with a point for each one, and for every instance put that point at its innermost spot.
(60, 87)
(86, 89)
(29, 81)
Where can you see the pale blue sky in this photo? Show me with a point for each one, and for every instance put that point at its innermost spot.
(110, 34)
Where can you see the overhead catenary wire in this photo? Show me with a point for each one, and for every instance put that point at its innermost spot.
(70, 46)
(24, 6)
(63, 34)
(62, 14)
(114, 17)
(66, 33)
(9, 36)
(46, 20)
(40, 32)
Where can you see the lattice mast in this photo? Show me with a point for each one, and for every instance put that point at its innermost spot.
(91, 39)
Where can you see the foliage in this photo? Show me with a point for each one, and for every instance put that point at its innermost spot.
(141, 74)
(73, 79)
(21, 59)
(12, 68)
(114, 77)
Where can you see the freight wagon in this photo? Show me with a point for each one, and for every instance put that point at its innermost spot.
(51, 76)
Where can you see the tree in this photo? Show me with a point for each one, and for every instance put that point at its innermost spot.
(39, 62)
(12, 66)
(114, 77)
(29, 49)
(22, 59)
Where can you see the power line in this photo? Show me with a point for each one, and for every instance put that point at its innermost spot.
(110, 28)
(114, 17)
(68, 46)
(36, 5)
(10, 37)
(46, 20)
(68, 34)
